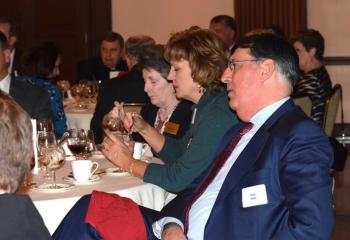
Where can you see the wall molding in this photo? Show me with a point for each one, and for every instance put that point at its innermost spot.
(336, 60)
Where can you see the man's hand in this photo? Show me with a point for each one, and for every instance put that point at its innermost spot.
(173, 231)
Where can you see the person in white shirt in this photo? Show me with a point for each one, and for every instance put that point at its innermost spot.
(9, 28)
(32, 99)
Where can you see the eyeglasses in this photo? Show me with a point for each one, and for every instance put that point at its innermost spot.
(232, 64)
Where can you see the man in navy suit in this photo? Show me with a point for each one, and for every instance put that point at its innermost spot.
(275, 182)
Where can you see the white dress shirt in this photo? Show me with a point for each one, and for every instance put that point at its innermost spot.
(12, 57)
(201, 209)
(5, 84)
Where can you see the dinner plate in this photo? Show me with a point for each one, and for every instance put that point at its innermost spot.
(92, 180)
(115, 171)
(49, 187)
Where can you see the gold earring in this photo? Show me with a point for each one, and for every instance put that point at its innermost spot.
(201, 89)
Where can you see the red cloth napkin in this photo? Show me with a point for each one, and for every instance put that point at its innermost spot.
(115, 217)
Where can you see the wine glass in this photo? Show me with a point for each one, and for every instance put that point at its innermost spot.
(77, 142)
(90, 142)
(46, 140)
(55, 158)
(44, 125)
(116, 127)
(63, 86)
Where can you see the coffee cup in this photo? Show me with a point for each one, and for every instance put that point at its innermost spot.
(139, 149)
(83, 169)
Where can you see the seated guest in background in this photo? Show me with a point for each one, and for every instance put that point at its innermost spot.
(9, 28)
(19, 218)
(110, 60)
(39, 66)
(127, 88)
(169, 115)
(34, 100)
(226, 28)
(270, 178)
(194, 80)
(314, 80)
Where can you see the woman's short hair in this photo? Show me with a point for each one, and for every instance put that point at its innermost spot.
(206, 53)
(311, 39)
(40, 60)
(16, 147)
(136, 45)
(153, 58)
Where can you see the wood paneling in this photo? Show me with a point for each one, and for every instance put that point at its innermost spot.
(75, 26)
(252, 14)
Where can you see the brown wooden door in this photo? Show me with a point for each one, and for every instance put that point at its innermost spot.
(75, 26)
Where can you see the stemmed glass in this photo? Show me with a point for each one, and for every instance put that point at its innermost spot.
(90, 143)
(55, 159)
(44, 125)
(77, 142)
(116, 127)
(63, 86)
(46, 141)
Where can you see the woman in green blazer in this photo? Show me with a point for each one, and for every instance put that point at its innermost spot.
(197, 58)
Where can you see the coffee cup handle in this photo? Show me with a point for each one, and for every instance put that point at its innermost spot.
(94, 167)
(145, 147)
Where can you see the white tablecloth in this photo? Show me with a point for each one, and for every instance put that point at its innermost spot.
(79, 117)
(54, 206)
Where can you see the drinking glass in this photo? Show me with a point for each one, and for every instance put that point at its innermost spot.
(77, 142)
(63, 86)
(90, 142)
(46, 140)
(116, 127)
(44, 125)
(55, 159)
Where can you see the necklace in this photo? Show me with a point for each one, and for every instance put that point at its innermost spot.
(159, 125)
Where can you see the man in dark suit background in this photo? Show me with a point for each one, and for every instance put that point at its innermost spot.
(108, 63)
(128, 88)
(9, 28)
(32, 99)
(226, 28)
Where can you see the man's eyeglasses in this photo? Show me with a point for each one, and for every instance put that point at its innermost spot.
(232, 64)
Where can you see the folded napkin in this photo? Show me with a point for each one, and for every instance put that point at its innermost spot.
(115, 217)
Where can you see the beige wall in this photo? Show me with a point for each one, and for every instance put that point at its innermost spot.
(159, 18)
(332, 18)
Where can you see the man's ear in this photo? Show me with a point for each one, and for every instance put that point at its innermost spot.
(312, 51)
(267, 69)
(7, 55)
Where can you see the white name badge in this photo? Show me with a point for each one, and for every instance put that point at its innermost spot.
(254, 196)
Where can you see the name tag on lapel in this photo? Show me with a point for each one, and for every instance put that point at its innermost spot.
(171, 128)
(254, 196)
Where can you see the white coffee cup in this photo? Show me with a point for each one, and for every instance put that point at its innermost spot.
(139, 149)
(83, 169)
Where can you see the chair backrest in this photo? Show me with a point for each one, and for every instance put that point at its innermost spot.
(331, 109)
(304, 103)
(133, 107)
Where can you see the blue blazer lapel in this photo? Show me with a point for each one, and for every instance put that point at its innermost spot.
(252, 151)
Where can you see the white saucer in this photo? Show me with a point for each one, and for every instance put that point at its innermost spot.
(92, 180)
(48, 187)
(115, 171)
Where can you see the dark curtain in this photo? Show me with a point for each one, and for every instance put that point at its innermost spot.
(290, 15)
